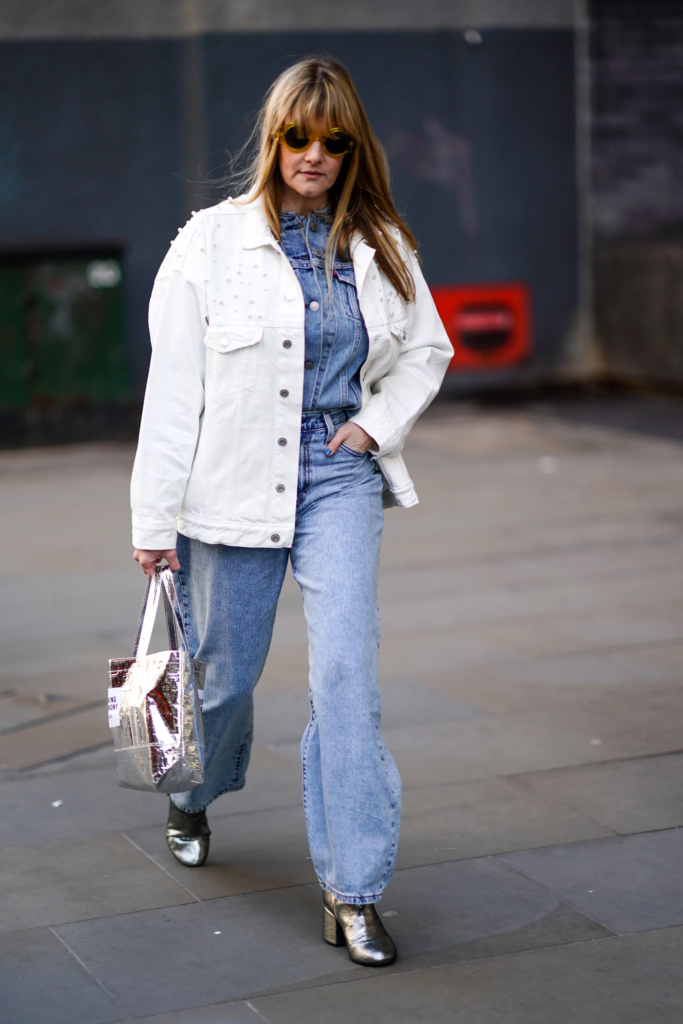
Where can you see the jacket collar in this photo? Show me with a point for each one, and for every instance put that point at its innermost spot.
(257, 229)
(257, 232)
(362, 256)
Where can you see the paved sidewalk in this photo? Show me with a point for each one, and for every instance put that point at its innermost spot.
(531, 669)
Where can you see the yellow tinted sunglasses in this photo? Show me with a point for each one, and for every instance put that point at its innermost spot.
(336, 143)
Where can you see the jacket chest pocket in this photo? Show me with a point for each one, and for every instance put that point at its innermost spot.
(231, 359)
(345, 292)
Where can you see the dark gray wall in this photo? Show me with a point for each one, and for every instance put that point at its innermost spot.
(481, 141)
(637, 72)
(89, 147)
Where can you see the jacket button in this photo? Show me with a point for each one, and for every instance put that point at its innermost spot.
(284, 393)
(287, 344)
(315, 306)
(282, 441)
(275, 537)
(309, 364)
(280, 488)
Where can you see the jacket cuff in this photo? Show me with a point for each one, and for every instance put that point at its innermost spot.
(374, 423)
(151, 536)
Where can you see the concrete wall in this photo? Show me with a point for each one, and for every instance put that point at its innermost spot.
(93, 19)
(100, 134)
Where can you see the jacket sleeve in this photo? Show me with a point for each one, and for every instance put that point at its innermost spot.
(174, 397)
(406, 390)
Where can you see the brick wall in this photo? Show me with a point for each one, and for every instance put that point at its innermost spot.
(637, 101)
(637, 82)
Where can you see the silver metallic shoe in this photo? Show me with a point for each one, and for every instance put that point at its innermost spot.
(187, 836)
(360, 929)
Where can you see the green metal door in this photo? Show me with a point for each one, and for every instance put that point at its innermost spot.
(61, 333)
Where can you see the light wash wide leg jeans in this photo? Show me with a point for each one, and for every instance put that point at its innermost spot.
(351, 786)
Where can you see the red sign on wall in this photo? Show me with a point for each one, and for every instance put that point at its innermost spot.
(489, 325)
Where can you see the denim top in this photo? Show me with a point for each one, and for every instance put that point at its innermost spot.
(336, 339)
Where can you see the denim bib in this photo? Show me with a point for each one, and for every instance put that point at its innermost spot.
(336, 338)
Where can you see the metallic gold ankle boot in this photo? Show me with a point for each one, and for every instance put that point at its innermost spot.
(187, 836)
(360, 929)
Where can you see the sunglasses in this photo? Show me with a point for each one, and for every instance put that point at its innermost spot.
(337, 143)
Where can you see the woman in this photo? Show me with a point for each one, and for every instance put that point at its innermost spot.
(294, 344)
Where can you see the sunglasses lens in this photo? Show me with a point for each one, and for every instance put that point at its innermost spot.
(338, 144)
(293, 139)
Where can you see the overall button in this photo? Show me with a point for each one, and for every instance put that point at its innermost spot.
(282, 441)
(280, 488)
(284, 393)
(275, 537)
(314, 305)
(309, 364)
(286, 344)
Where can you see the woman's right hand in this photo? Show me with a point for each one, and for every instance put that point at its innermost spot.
(148, 560)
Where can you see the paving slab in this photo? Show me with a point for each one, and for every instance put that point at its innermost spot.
(639, 723)
(82, 878)
(19, 709)
(645, 794)
(502, 691)
(225, 1013)
(47, 741)
(506, 578)
(542, 636)
(41, 981)
(282, 716)
(475, 600)
(286, 666)
(627, 883)
(273, 939)
(250, 852)
(187, 956)
(474, 819)
(546, 620)
(90, 802)
(407, 702)
(559, 927)
(495, 745)
(443, 905)
(623, 667)
(633, 980)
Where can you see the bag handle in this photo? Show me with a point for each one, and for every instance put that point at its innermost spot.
(160, 583)
(174, 616)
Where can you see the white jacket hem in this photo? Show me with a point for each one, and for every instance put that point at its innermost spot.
(236, 534)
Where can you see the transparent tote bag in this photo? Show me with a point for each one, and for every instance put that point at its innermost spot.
(155, 702)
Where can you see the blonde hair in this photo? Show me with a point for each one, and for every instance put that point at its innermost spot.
(315, 91)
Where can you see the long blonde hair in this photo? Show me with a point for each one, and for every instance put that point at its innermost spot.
(319, 90)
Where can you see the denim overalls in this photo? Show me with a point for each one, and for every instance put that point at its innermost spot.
(336, 338)
(351, 786)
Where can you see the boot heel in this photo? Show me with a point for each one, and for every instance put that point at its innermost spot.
(332, 930)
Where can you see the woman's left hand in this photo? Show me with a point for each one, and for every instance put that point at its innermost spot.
(352, 436)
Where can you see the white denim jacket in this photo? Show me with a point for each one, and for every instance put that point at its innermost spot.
(222, 414)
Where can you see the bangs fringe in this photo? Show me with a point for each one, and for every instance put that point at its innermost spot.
(312, 110)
